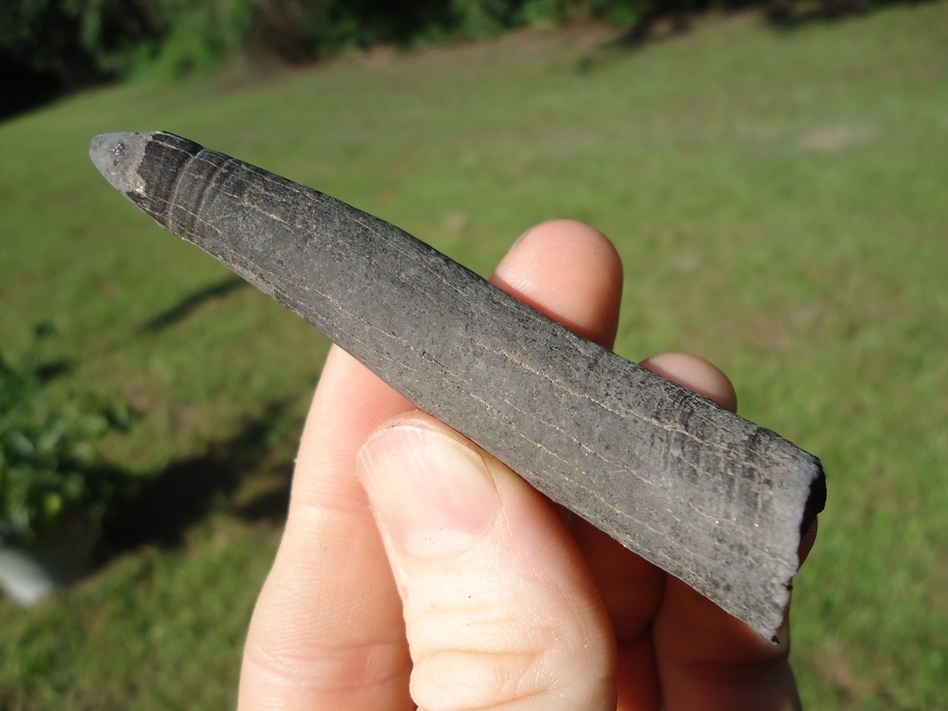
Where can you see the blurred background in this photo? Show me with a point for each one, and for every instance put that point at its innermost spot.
(774, 176)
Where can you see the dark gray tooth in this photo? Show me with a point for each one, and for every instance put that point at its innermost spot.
(711, 498)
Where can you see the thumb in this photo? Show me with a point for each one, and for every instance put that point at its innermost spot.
(500, 611)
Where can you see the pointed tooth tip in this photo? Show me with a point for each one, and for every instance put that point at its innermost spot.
(117, 156)
(108, 149)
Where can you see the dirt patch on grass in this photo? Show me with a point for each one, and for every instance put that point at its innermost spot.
(832, 139)
(527, 42)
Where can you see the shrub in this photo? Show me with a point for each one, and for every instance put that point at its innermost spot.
(85, 41)
(49, 464)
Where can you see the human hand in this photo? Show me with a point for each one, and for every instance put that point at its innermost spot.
(417, 570)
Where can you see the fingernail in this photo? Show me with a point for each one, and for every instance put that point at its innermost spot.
(431, 493)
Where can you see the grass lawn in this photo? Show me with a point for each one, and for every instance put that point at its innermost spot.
(780, 199)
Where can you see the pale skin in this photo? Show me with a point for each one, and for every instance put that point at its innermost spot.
(418, 572)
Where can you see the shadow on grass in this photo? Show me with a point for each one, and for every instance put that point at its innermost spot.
(166, 505)
(663, 19)
(790, 14)
(189, 304)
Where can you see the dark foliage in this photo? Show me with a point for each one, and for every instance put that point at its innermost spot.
(51, 46)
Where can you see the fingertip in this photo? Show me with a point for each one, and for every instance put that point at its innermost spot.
(696, 374)
(569, 271)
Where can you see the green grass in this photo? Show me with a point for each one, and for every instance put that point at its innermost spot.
(780, 199)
